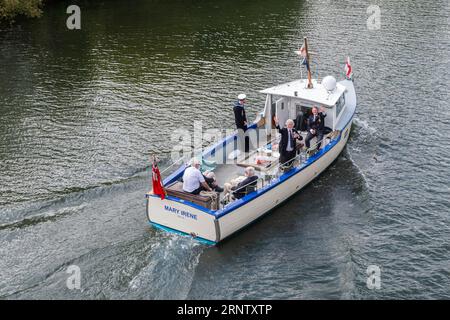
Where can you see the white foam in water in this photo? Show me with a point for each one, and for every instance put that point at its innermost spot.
(51, 213)
(170, 269)
(364, 124)
(360, 171)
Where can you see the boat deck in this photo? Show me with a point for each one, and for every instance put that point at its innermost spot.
(264, 161)
(265, 170)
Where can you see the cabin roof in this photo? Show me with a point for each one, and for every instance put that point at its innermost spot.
(318, 94)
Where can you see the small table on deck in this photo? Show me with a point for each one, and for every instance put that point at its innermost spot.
(266, 160)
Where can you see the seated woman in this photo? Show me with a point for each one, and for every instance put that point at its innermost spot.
(210, 179)
(236, 188)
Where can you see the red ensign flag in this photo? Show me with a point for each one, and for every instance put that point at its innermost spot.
(158, 188)
(348, 68)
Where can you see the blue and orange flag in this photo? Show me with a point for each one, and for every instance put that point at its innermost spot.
(302, 53)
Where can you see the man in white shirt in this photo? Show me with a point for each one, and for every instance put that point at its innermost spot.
(193, 179)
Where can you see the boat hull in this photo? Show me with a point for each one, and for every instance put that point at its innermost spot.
(173, 214)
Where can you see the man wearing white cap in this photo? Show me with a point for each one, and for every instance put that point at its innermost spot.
(239, 113)
(240, 117)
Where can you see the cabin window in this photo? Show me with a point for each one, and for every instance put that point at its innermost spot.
(281, 109)
(298, 109)
(302, 109)
(340, 105)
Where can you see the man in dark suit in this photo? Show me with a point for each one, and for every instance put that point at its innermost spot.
(237, 190)
(316, 124)
(240, 119)
(288, 144)
(251, 180)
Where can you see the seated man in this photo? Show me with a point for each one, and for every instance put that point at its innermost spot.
(193, 180)
(237, 187)
(316, 124)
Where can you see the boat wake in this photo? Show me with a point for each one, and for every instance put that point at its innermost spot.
(70, 201)
(48, 215)
(155, 266)
(363, 149)
(347, 155)
(364, 125)
(170, 269)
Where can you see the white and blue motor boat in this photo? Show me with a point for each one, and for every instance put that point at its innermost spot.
(190, 215)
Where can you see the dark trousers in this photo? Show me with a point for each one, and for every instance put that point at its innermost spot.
(285, 156)
(244, 140)
(309, 136)
(198, 190)
(209, 181)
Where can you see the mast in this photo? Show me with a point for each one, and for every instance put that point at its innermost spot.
(310, 85)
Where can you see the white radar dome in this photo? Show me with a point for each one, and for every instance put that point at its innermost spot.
(329, 83)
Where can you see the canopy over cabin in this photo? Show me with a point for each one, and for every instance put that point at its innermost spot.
(289, 100)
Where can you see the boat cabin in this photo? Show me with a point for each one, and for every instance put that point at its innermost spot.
(293, 100)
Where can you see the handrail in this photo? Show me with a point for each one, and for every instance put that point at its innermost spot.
(326, 136)
(235, 133)
(245, 186)
(275, 165)
(282, 164)
(271, 167)
(173, 163)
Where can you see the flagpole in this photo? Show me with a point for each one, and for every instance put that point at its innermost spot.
(153, 172)
(310, 85)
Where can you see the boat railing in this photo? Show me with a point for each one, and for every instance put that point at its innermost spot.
(184, 157)
(187, 156)
(318, 143)
(301, 157)
(275, 170)
(260, 180)
(248, 155)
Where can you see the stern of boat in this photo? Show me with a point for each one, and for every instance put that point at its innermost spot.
(171, 214)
